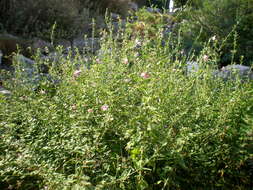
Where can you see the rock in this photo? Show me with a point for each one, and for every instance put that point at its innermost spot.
(226, 73)
(64, 43)
(119, 25)
(25, 65)
(27, 73)
(192, 67)
(88, 44)
(4, 92)
(44, 46)
(153, 10)
(232, 71)
(133, 6)
(11, 44)
(115, 17)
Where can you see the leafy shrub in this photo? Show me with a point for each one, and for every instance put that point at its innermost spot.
(149, 24)
(134, 120)
(229, 21)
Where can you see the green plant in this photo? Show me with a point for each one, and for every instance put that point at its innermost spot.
(129, 119)
(228, 21)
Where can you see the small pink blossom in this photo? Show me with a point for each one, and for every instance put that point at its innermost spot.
(125, 61)
(90, 110)
(104, 107)
(98, 61)
(145, 75)
(205, 57)
(77, 73)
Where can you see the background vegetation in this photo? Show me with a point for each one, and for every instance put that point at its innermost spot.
(226, 19)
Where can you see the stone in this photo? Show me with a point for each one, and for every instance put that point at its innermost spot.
(154, 10)
(26, 72)
(88, 44)
(4, 92)
(115, 17)
(192, 67)
(11, 44)
(133, 6)
(119, 25)
(66, 44)
(42, 45)
(233, 71)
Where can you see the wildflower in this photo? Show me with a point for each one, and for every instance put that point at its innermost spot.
(42, 92)
(98, 61)
(77, 73)
(104, 107)
(125, 61)
(137, 54)
(145, 75)
(127, 80)
(74, 107)
(205, 57)
(137, 43)
(90, 110)
(213, 38)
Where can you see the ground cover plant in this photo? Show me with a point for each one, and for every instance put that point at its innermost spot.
(129, 118)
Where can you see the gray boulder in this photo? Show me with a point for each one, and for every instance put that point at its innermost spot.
(133, 6)
(4, 92)
(228, 72)
(88, 44)
(27, 72)
(154, 10)
(192, 67)
(233, 71)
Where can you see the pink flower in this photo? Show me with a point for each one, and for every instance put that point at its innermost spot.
(77, 73)
(205, 57)
(104, 107)
(145, 75)
(90, 110)
(125, 61)
(98, 61)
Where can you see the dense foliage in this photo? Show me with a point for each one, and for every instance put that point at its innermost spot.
(131, 116)
(229, 21)
(128, 119)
